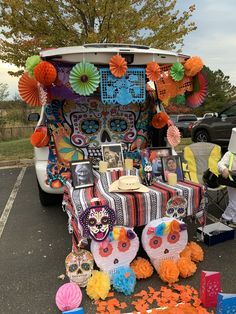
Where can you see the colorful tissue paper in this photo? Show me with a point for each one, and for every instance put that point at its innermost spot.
(226, 303)
(78, 310)
(209, 288)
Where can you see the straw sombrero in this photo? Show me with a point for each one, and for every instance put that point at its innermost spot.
(127, 184)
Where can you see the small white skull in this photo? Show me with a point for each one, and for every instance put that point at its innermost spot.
(79, 267)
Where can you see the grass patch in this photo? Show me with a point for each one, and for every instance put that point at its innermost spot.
(16, 149)
(184, 142)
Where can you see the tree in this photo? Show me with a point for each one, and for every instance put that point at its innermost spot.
(4, 93)
(31, 25)
(220, 92)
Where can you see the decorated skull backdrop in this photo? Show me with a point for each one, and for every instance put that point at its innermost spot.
(97, 221)
(164, 238)
(119, 250)
(79, 267)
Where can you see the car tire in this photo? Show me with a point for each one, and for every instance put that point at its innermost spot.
(47, 199)
(202, 136)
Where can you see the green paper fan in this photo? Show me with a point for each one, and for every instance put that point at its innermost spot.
(177, 71)
(31, 63)
(180, 100)
(84, 78)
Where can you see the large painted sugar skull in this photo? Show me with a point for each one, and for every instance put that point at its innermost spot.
(79, 267)
(118, 250)
(164, 238)
(97, 221)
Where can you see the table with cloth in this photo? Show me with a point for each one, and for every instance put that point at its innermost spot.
(132, 209)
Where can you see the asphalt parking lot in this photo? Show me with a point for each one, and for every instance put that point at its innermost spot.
(34, 242)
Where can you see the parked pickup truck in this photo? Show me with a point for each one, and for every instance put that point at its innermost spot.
(184, 122)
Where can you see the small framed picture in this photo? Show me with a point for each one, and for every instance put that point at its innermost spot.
(113, 154)
(172, 164)
(82, 174)
(155, 159)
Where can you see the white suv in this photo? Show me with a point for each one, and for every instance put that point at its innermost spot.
(99, 55)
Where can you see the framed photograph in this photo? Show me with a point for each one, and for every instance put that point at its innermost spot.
(155, 159)
(113, 154)
(172, 164)
(82, 174)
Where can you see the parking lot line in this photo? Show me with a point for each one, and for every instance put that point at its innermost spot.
(10, 202)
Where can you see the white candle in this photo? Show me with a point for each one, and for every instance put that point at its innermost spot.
(103, 166)
(128, 164)
(172, 178)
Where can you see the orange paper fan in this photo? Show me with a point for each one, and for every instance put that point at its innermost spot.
(153, 71)
(118, 66)
(160, 119)
(31, 91)
(193, 65)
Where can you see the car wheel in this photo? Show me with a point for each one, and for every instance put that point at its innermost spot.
(202, 136)
(47, 199)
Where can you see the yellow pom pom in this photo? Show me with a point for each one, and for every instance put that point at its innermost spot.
(116, 233)
(168, 271)
(142, 268)
(186, 267)
(98, 285)
(196, 252)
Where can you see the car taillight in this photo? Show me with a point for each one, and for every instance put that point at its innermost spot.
(190, 126)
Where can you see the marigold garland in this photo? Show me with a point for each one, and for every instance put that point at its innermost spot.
(142, 268)
(197, 253)
(186, 252)
(186, 267)
(193, 65)
(98, 285)
(153, 71)
(118, 66)
(168, 271)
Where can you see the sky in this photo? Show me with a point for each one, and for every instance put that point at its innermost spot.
(214, 40)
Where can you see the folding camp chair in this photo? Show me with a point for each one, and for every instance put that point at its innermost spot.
(202, 156)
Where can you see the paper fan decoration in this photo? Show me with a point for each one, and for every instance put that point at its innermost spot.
(118, 66)
(160, 119)
(177, 71)
(45, 73)
(153, 71)
(31, 91)
(84, 78)
(193, 65)
(196, 98)
(31, 63)
(68, 297)
(180, 100)
(173, 136)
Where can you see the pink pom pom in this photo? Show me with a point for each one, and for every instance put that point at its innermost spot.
(68, 297)
(173, 135)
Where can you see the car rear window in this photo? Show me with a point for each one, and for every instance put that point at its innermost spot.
(187, 118)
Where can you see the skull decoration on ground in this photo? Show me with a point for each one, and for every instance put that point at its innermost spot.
(118, 250)
(97, 221)
(79, 267)
(164, 238)
(176, 207)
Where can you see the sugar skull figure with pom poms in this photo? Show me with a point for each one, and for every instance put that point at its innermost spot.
(165, 242)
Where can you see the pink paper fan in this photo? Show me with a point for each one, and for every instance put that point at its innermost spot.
(196, 98)
(173, 135)
(31, 91)
(68, 297)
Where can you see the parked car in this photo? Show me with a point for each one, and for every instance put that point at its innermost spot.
(64, 58)
(208, 115)
(216, 129)
(184, 123)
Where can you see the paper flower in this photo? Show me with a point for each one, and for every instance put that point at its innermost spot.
(186, 267)
(174, 226)
(180, 100)
(196, 252)
(177, 71)
(124, 280)
(142, 268)
(173, 135)
(153, 71)
(159, 120)
(31, 63)
(159, 231)
(45, 73)
(196, 98)
(186, 252)
(168, 271)
(39, 138)
(98, 285)
(68, 297)
(193, 65)
(84, 78)
(31, 91)
(118, 66)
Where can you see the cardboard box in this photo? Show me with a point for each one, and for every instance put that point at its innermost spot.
(215, 233)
